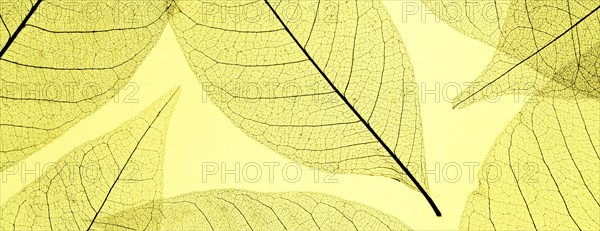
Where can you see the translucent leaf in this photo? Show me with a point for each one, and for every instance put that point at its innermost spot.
(116, 171)
(537, 40)
(325, 83)
(543, 172)
(581, 75)
(246, 210)
(62, 60)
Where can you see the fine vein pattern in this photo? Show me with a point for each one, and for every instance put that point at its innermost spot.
(117, 171)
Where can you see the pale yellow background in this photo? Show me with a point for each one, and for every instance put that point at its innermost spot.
(199, 132)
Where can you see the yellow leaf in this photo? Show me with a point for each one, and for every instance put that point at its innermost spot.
(61, 61)
(245, 210)
(580, 75)
(117, 171)
(544, 170)
(535, 41)
(327, 84)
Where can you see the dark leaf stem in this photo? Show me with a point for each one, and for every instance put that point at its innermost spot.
(364, 122)
(21, 26)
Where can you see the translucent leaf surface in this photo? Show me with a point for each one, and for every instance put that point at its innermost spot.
(535, 41)
(246, 210)
(117, 171)
(60, 61)
(543, 172)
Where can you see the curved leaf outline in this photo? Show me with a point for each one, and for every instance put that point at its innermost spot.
(234, 209)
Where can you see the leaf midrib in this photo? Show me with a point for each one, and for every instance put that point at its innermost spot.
(525, 60)
(364, 122)
(129, 158)
(12, 38)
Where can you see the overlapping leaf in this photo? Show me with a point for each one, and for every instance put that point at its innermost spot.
(325, 83)
(543, 172)
(536, 40)
(334, 87)
(61, 61)
(119, 170)
(246, 210)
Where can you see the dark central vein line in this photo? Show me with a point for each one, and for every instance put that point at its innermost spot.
(390, 152)
(21, 26)
(129, 158)
(525, 60)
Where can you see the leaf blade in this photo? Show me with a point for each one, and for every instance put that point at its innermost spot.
(235, 209)
(68, 61)
(525, 69)
(124, 164)
(362, 120)
(542, 173)
(535, 40)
